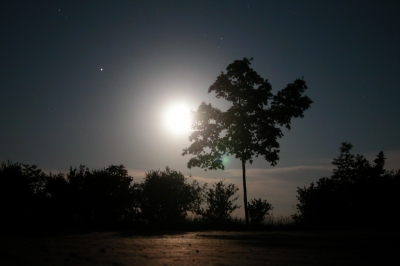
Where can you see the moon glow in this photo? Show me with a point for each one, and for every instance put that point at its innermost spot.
(178, 119)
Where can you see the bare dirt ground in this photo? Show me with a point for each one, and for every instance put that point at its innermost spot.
(202, 248)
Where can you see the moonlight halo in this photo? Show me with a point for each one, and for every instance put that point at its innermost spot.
(177, 118)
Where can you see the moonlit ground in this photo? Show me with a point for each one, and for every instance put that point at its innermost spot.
(202, 248)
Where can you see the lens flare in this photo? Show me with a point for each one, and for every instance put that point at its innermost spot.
(225, 160)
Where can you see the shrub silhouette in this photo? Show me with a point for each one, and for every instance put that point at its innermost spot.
(352, 196)
(108, 199)
(105, 196)
(100, 199)
(109, 194)
(59, 203)
(22, 195)
(258, 209)
(219, 204)
(166, 197)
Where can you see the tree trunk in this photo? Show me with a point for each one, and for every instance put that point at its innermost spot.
(245, 193)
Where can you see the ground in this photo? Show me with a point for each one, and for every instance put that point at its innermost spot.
(202, 248)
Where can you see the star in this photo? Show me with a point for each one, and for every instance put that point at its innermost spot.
(101, 69)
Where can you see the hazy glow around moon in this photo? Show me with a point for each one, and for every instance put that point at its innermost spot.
(178, 119)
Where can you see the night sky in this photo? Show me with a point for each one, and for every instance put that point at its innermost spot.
(90, 82)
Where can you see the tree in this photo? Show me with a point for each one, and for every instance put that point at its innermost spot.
(105, 197)
(350, 198)
(21, 195)
(250, 127)
(166, 197)
(59, 205)
(110, 194)
(258, 209)
(219, 204)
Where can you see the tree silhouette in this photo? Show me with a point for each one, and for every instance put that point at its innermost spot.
(21, 195)
(250, 127)
(59, 206)
(258, 209)
(109, 194)
(219, 204)
(166, 197)
(351, 197)
(102, 198)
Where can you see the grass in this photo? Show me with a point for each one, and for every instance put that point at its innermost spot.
(238, 224)
(278, 222)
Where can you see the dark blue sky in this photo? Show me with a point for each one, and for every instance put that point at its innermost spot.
(58, 109)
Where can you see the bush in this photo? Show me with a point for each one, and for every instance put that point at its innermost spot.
(166, 197)
(219, 204)
(110, 195)
(22, 195)
(258, 209)
(350, 197)
(95, 199)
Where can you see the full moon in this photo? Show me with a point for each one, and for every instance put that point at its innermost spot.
(178, 119)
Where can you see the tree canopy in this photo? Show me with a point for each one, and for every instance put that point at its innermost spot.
(251, 126)
(166, 197)
(353, 197)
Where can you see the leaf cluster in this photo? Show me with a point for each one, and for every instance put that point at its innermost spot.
(253, 123)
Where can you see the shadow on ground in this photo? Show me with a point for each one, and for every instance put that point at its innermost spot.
(202, 248)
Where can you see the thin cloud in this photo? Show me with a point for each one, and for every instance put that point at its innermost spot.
(392, 160)
(136, 174)
(277, 185)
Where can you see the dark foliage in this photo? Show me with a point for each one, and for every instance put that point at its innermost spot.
(107, 199)
(166, 197)
(258, 210)
(219, 204)
(251, 126)
(359, 195)
(60, 203)
(22, 194)
(97, 199)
